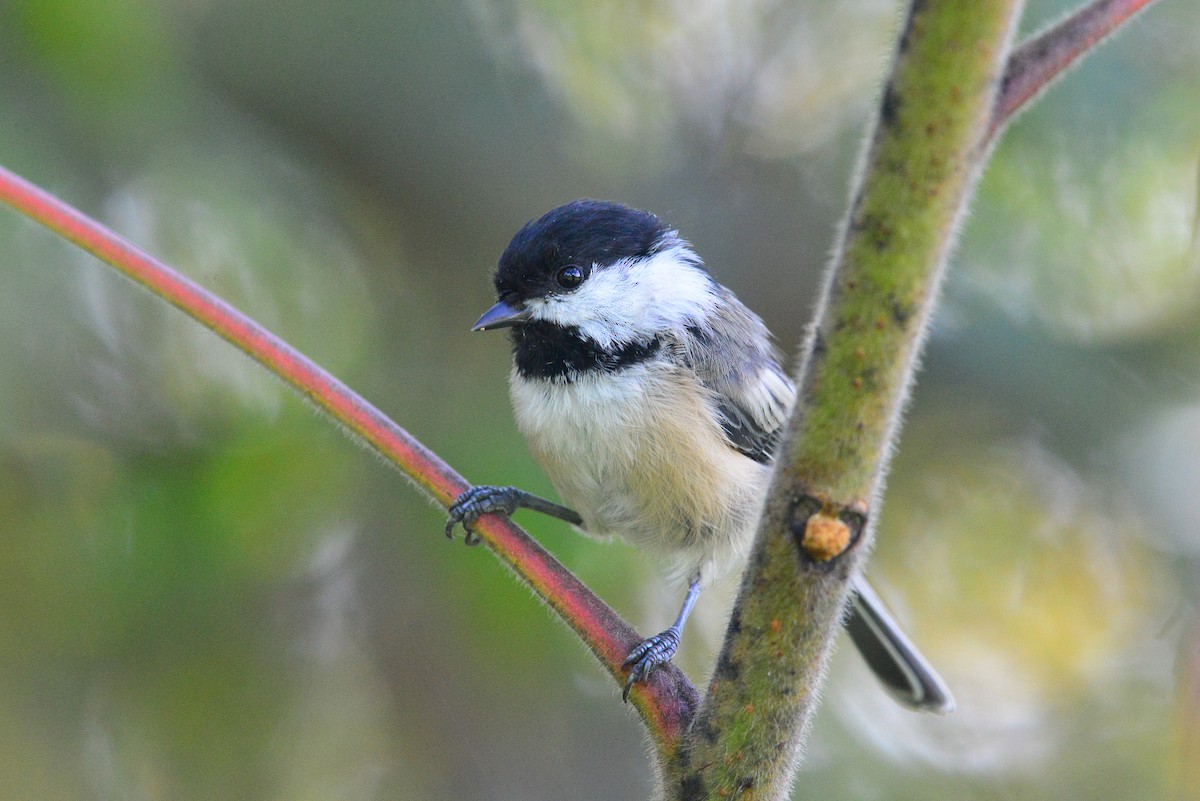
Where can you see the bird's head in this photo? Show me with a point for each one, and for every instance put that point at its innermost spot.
(610, 272)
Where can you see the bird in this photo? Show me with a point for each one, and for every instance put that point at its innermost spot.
(654, 400)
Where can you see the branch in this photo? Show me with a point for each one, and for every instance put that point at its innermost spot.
(1044, 57)
(666, 703)
(857, 365)
(943, 107)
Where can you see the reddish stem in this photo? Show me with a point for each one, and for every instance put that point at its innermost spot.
(666, 702)
(1045, 56)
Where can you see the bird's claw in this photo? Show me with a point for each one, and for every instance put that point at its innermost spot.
(649, 654)
(476, 502)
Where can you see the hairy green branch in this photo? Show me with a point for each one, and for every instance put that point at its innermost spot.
(857, 365)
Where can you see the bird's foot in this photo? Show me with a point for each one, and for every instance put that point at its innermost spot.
(650, 653)
(477, 502)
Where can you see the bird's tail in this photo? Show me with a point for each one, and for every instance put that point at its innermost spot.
(892, 657)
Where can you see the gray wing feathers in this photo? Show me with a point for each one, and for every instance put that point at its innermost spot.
(733, 356)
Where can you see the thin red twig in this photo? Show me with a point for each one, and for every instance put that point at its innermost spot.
(1038, 61)
(666, 702)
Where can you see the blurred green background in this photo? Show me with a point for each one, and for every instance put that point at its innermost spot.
(207, 592)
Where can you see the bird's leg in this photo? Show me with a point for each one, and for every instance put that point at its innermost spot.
(484, 499)
(658, 650)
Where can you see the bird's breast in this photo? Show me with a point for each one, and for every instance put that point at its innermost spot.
(641, 454)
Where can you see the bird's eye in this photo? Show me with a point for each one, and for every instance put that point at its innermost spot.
(570, 276)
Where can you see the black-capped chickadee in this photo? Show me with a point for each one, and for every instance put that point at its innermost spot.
(654, 399)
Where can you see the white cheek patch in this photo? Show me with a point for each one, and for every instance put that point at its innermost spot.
(634, 299)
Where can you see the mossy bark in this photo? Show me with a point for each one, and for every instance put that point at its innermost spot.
(921, 164)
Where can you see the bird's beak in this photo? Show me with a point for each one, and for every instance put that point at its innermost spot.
(500, 316)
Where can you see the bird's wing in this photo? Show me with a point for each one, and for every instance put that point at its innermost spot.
(733, 357)
(753, 424)
(744, 434)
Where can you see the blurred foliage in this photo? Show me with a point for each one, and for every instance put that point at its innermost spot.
(1118, 265)
(207, 592)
